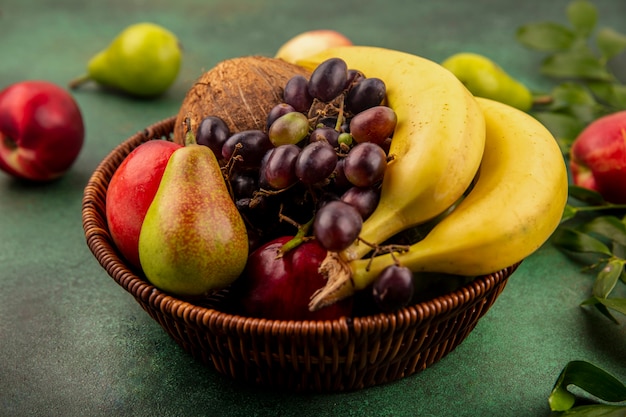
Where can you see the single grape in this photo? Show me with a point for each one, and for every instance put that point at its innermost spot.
(289, 128)
(316, 162)
(213, 132)
(297, 95)
(365, 164)
(277, 111)
(375, 124)
(340, 183)
(337, 225)
(279, 170)
(244, 183)
(345, 139)
(365, 94)
(327, 134)
(354, 77)
(328, 80)
(254, 144)
(364, 200)
(393, 289)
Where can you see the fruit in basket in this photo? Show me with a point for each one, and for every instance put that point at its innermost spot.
(597, 157)
(485, 78)
(131, 191)
(143, 60)
(278, 285)
(309, 43)
(241, 91)
(41, 130)
(192, 239)
(439, 170)
(512, 209)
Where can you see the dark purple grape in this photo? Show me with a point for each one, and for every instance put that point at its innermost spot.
(365, 164)
(213, 132)
(340, 182)
(365, 94)
(337, 225)
(327, 134)
(255, 143)
(297, 95)
(279, 170)
(375, 124)
(393, 289)
(244, 183)
(277, 111)
(289, 128)
(316, 162)
(354, 76)
(364, 200)
(328, 80)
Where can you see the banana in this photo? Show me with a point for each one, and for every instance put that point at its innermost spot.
(514, 207)
(437, 145)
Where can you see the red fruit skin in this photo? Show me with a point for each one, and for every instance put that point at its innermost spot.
(280, 288)
(598, 157)
(41, 130)
(130, 192)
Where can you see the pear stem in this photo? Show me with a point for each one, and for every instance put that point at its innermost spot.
(78, 81)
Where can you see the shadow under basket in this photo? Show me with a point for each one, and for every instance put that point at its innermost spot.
(308, 356)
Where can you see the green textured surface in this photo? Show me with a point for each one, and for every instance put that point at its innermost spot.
(73, 343)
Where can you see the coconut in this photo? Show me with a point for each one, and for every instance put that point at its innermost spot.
(241, 91)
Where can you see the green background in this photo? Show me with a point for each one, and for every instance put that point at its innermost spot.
(73, 343)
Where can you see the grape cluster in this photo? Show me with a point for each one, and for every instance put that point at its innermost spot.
(318, 163)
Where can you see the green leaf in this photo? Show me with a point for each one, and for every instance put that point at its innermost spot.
(595, 410)
(586, 195)
(610, 93)
(607, 278)
(569, 212)
(575, 241)
(595, 301)
(617, 304)
(583, 16)
(607, 226)
(573, 64)
(567, 94)
(564, 127)
(589, 378)
(610, 42)
(545, 36)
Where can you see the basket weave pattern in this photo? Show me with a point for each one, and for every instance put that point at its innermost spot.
(330, 356)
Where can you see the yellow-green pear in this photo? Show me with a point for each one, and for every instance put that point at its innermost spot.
(143, 60)
(485, 78)
(193, 239)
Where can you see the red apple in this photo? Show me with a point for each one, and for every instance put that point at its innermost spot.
(280, 287)
(41, 130)
(310, 43)
(598, 157)
(130, 192)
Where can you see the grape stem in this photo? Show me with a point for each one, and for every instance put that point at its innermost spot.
(383, 249)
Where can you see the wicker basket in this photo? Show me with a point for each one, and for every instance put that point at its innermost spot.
(329, 356)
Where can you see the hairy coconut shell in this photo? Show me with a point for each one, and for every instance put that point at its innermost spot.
(241, 91)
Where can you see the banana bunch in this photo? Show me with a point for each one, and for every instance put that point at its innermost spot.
(445, 139)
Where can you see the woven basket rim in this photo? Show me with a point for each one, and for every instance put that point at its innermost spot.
(100, 243)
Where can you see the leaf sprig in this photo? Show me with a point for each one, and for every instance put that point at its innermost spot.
(577, 58)
(600, 242)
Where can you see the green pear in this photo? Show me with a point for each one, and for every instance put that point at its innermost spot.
(485, 78)
(143, 60)
(193, 239)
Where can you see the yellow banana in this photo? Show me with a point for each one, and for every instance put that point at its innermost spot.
(514, 207)
(437, 145)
